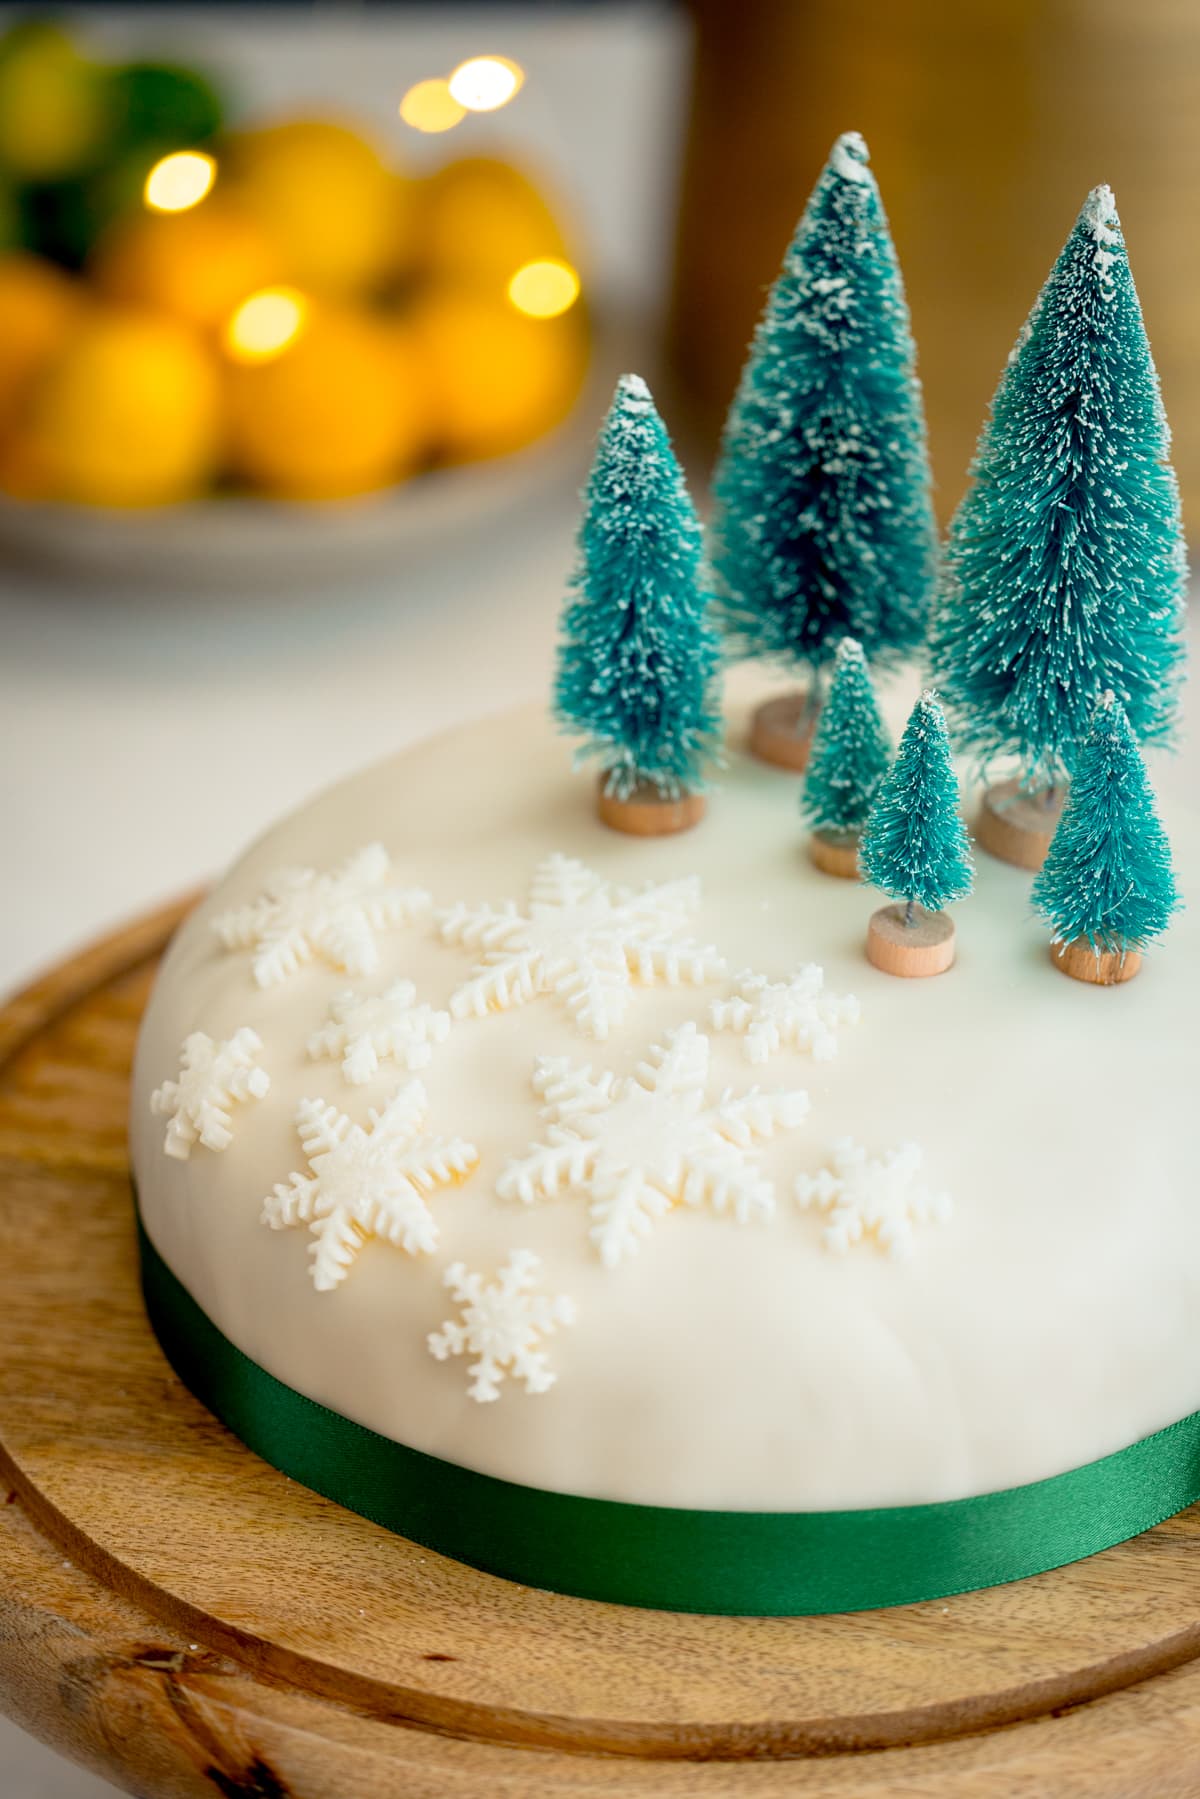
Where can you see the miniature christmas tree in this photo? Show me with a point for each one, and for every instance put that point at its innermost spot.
(638, 659)
(914, 846)
(1107, 888)
(824, 526)
(1065, 570)
(850, 755)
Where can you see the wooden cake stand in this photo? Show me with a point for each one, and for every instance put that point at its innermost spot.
(181, 1618)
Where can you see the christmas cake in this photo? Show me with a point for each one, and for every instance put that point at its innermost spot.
(599, 1205)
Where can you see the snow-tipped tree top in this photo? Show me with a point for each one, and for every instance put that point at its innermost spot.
(634, 392)
(849, 158)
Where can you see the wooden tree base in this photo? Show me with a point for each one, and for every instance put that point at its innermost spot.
(1016, 826)
(781, 731)
(179, 1617)
(646, 813)
(835, 853)
(1108, 969)
(924, 947)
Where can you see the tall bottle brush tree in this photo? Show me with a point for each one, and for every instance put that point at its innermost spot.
(824, 527)
(1065, 570)
(1107, 888)
(850, 755)
(638, 658)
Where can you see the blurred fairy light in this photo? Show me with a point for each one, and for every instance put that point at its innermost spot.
(486, 82)
(265, 324)
(545, 288)
(430, 106)
(179, 181)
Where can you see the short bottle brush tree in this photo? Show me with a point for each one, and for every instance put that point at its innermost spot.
(914, 847)
(850, 755)
(1065, 572)
(638, 659)
(823, 522)
(1107, 888)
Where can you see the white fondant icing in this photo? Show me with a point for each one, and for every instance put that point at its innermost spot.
(302, 914)
(797, 1014)
(367, 1028)
(367, 1183)
(880, 1197)
(502, 1323)
(639, 1145)
(213, 1078)
(583, 939)
(1053, 1322)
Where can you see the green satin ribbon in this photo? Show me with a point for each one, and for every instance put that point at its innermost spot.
(743, 1563)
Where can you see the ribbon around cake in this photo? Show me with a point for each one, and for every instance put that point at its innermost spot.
(671, 1558)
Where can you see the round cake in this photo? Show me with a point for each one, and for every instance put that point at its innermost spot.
(577, 1192)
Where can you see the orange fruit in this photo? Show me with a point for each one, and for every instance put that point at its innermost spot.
(39, 306)
(497, 379)
(481, 219)
(196, 265)
(327, 198)
(339, 410)
(128, 414)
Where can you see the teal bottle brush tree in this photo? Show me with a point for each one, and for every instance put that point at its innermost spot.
(914, 847)
(1065, 572)
(823, 523)
(1107, 888)
(850, 755)
(638, 659)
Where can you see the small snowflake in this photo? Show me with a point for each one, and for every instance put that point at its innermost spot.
(367, 1028)
(367, 1183)
(640, 1144)
(213, 1077)
(795, 1014)
(867, 1196)
(334, 916)
(583, 939)
(501, 1324)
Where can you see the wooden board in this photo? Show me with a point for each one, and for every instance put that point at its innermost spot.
(187, 1621)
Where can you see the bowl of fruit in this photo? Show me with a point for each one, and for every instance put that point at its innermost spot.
(263, 348)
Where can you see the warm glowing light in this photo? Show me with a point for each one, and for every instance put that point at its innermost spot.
(486, 82)
(430, 106)
(179, 181)
(544, 288)
(265, 324)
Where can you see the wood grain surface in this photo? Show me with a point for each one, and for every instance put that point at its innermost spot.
(185, 1620)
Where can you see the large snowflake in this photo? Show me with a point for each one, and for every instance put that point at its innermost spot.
(213, 1077)
(334, 916)
(502, 1323)
(583, 939)
(867, 1196)
(796, 1014)
(365, 1028)
(640, 1144)
(369, 1182)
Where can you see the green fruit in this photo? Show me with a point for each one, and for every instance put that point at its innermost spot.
(163, 104)
(54, 115)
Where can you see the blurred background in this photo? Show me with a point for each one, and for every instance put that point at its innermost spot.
(308, 315)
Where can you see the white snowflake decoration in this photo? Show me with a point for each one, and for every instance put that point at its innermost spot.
(583, 939)
(366, 1028)
(640, 1144)
(333, 916)
(880, 1197)
(796, 1014)
(368, 1182)
(213, 1078)
(502, 1323)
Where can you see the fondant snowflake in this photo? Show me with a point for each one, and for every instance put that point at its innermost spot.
(368, 1182)
(213, 1078)
(502, 1324)
(333, 916)
(365, 1028)
(796, 1014)
(583, 939)
(640, 1144)
(880, 1197)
